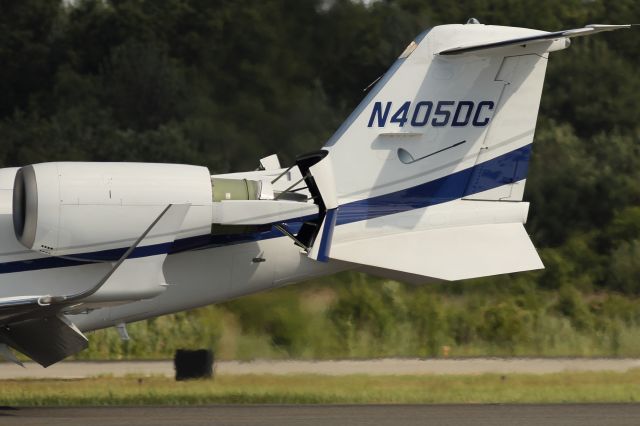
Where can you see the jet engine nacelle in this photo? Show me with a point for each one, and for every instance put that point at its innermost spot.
(70, 208)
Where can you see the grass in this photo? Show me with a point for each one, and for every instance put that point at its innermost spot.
(578, 387)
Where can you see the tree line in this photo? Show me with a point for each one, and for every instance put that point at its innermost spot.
(222, 83)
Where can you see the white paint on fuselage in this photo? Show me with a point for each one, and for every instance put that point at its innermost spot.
(203, 277)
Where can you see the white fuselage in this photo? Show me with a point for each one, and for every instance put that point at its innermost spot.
(202, 277)
(205, 269)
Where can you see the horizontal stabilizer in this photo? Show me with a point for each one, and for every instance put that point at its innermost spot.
(587, 30)
(448, 253)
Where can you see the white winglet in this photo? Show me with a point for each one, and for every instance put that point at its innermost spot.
(538, 38)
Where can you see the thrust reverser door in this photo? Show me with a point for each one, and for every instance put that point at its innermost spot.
(244, 206)
(316, 235)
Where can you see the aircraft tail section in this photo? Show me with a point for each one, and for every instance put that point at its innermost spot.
(431, 166)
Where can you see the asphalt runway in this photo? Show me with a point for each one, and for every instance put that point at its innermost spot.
(316, 415)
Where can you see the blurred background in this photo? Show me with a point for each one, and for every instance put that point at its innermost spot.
(223, 83)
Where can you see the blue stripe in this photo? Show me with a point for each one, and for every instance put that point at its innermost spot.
(327, 235)
(184, 244)
(41, 263)
(83, 258)
(507, 168)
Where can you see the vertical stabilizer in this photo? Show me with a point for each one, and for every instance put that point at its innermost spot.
(435, 116)
(425, 163)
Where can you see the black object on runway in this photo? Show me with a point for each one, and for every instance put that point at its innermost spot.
(197, 364)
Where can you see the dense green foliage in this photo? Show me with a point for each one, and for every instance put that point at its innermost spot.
(353, 315)
(222, 83)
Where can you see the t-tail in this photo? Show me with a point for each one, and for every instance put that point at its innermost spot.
(427, 174)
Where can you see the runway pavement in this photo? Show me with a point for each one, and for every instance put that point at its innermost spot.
(392, 366)
(317, 415)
